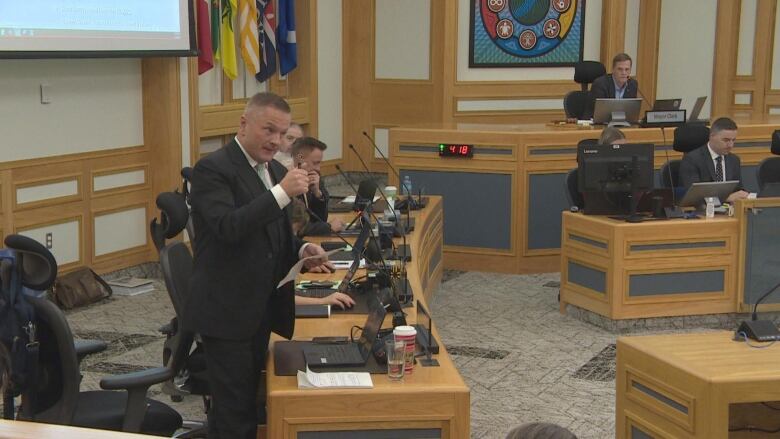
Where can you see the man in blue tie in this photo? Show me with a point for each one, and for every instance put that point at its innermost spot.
(619, 84)
(714, 161)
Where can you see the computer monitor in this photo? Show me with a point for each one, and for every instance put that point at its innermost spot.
(695, 197)
(611, 177)
(617, 112)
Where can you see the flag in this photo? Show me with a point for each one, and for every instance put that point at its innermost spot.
(285, 37)
(215, 29)
(250, 45)
(205, 56)
(228, 47)
(267, 30)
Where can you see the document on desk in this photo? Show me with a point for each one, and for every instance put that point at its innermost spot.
(334, 380)
(344, 265)
(296, 269)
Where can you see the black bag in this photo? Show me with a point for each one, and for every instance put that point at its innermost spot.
(17, 331)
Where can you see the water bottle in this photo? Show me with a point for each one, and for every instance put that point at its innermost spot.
(407, 186)
(710, 212)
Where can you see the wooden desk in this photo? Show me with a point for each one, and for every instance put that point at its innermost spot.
(671, 268)
(34, 430)
(694, 386)
(430, 398)
(651, 269)
(503, 205)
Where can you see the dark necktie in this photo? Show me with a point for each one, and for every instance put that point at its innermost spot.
(719, 168)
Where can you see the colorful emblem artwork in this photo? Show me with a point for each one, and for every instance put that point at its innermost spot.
(521, 33)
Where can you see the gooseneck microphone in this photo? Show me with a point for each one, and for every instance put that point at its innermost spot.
(759, 330)
(395, 171)
(403, 258)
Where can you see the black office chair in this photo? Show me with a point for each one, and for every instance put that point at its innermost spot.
(585, 72)
(176, 266)
(54, 395)
(768, 171)
(578, 104)
(572, 190)
(687, 137)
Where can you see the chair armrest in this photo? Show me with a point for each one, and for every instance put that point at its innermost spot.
(88, 347)
(140, 379)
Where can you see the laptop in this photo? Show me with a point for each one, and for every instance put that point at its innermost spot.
(666, 104)
(350, 354)
(694, 117)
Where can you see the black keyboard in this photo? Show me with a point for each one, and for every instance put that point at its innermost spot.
(338, 354)
(342, 256)
(315, 292)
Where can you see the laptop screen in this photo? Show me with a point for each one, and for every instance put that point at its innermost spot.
(357, 252)
(424, 320)
(374, 322)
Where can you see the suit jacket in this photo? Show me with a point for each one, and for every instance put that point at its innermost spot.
(243, 248)
(319, 205)
(604, 87)
(697, 166)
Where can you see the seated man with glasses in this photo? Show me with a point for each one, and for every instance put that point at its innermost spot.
(715, 161)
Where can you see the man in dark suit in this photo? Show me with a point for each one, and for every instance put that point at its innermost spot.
(307, 153)
(714, 161)
(240, 201)
(619, 84)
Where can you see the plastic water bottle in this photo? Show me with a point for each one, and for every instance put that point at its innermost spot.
(407, 186)
(710, 211)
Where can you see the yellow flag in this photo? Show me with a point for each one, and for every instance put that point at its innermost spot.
(227, 47)
(250, 45)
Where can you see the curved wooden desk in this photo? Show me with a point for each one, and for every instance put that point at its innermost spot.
(432, 398)
(503, 205)
(34, 430)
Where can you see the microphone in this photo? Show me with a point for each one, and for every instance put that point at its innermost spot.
(318, 218)
(403, 234)
(395, 171)
(759, 330)
(669, 168)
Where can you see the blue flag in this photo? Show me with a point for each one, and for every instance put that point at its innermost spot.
(285, 37)
(266, 26)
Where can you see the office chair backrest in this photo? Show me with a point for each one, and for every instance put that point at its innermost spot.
(572, 190)
(176, 266)
(577, 104)
(688, 137)
(768, 171)
(585, 72)
(39, 268)
(56, 392)
(670, 174)
(174, 215)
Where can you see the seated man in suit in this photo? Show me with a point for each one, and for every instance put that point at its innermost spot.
(619, 84)
(284, 155)
(714, 161)
(307, 153)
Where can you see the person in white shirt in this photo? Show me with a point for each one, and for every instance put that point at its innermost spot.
(284, 155)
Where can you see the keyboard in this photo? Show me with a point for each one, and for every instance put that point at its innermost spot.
(315, 292)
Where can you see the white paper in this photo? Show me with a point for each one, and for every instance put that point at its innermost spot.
(296, 269)
(330, 380)
(344, 265)
(351, 199)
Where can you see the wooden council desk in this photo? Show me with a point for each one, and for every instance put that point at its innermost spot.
(35, 430)
(694, 386)
(673, 267)
(503, 205)
(432, 398)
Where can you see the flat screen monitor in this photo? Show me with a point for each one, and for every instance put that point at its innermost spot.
(611, 177)
(617, 112)
(699, 191)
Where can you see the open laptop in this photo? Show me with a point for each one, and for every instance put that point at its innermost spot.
(694, 117)
(354, 353)
(666, 104)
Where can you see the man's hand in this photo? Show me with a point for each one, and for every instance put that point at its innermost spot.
(341, 300)
(317, 265)
(738, 195)
(336, 225)
(295, 182)
(314, 184)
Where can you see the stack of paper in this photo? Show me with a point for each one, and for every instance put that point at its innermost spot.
(334, 380)
(131, 286)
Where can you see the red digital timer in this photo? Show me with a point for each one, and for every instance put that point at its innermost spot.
(449, 150)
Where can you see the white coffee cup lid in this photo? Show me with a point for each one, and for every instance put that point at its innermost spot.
(391, 188)
(404, 331)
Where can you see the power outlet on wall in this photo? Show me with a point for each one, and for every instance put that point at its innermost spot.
(49, 240)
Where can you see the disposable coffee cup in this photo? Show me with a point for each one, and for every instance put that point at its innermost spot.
(409, 335)
(391, 191)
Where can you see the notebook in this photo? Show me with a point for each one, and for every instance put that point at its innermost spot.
(352, 353)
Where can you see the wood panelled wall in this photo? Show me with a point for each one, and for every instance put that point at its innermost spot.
(727, 83)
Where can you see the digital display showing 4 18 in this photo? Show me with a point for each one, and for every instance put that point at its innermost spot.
(451, 150)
